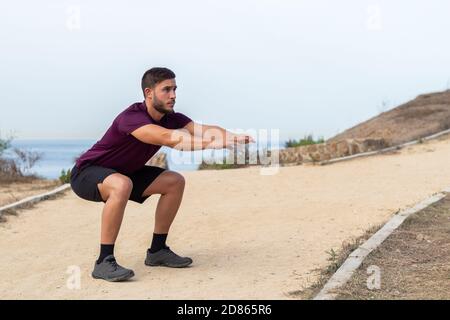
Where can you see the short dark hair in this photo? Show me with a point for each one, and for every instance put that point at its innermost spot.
(154, 76)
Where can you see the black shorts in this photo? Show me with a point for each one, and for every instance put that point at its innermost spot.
(84, 182)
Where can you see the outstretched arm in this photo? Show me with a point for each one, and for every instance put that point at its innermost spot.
(179, 139)
(203, 130)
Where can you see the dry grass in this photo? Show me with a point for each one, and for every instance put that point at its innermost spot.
(421, 117)
(413, 261)
(15, 191)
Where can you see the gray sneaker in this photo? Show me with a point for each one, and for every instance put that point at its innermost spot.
(109, 270)
(167, 258)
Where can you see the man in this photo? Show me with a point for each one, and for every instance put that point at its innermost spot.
(113, 170)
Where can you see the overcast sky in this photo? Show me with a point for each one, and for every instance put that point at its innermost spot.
(69, 67)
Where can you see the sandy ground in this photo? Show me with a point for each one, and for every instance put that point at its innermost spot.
(251, 236)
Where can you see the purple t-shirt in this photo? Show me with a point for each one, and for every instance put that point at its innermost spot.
(118, 149)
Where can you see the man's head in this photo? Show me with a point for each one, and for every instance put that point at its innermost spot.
(159, 86)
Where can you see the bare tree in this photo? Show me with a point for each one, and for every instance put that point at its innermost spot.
(27, 159)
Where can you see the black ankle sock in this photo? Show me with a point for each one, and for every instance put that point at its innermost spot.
(158, 242)
(105, 250)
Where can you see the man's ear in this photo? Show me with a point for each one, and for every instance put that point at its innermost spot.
(148, 93)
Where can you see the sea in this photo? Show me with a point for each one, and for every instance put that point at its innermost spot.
(58, 155)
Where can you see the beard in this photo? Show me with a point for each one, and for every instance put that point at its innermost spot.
(160, 107)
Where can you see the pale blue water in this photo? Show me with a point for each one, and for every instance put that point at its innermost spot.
(56, 154)
(60, 154)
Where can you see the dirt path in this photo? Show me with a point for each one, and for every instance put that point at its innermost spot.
(251, 236)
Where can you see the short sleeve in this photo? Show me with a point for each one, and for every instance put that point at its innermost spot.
(130, 121)
(180, 120)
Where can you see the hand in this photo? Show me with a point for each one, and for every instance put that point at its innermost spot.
(242, 138)
(232, 141)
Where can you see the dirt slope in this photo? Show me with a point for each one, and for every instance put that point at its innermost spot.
(423, 116)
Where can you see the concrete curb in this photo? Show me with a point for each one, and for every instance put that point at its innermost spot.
(33, 199)
(400, 146)
(354, 260)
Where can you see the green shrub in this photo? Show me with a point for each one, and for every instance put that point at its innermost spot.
(65, 176)
(307, 140)
(221, 165)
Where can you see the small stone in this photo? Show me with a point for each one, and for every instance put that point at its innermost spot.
(420, 237)
(396, 293)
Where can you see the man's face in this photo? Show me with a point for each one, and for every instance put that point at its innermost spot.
(163, 96)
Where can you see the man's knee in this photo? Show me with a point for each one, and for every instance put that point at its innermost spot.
(116, 185)
(175, 180)
(123, 186)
